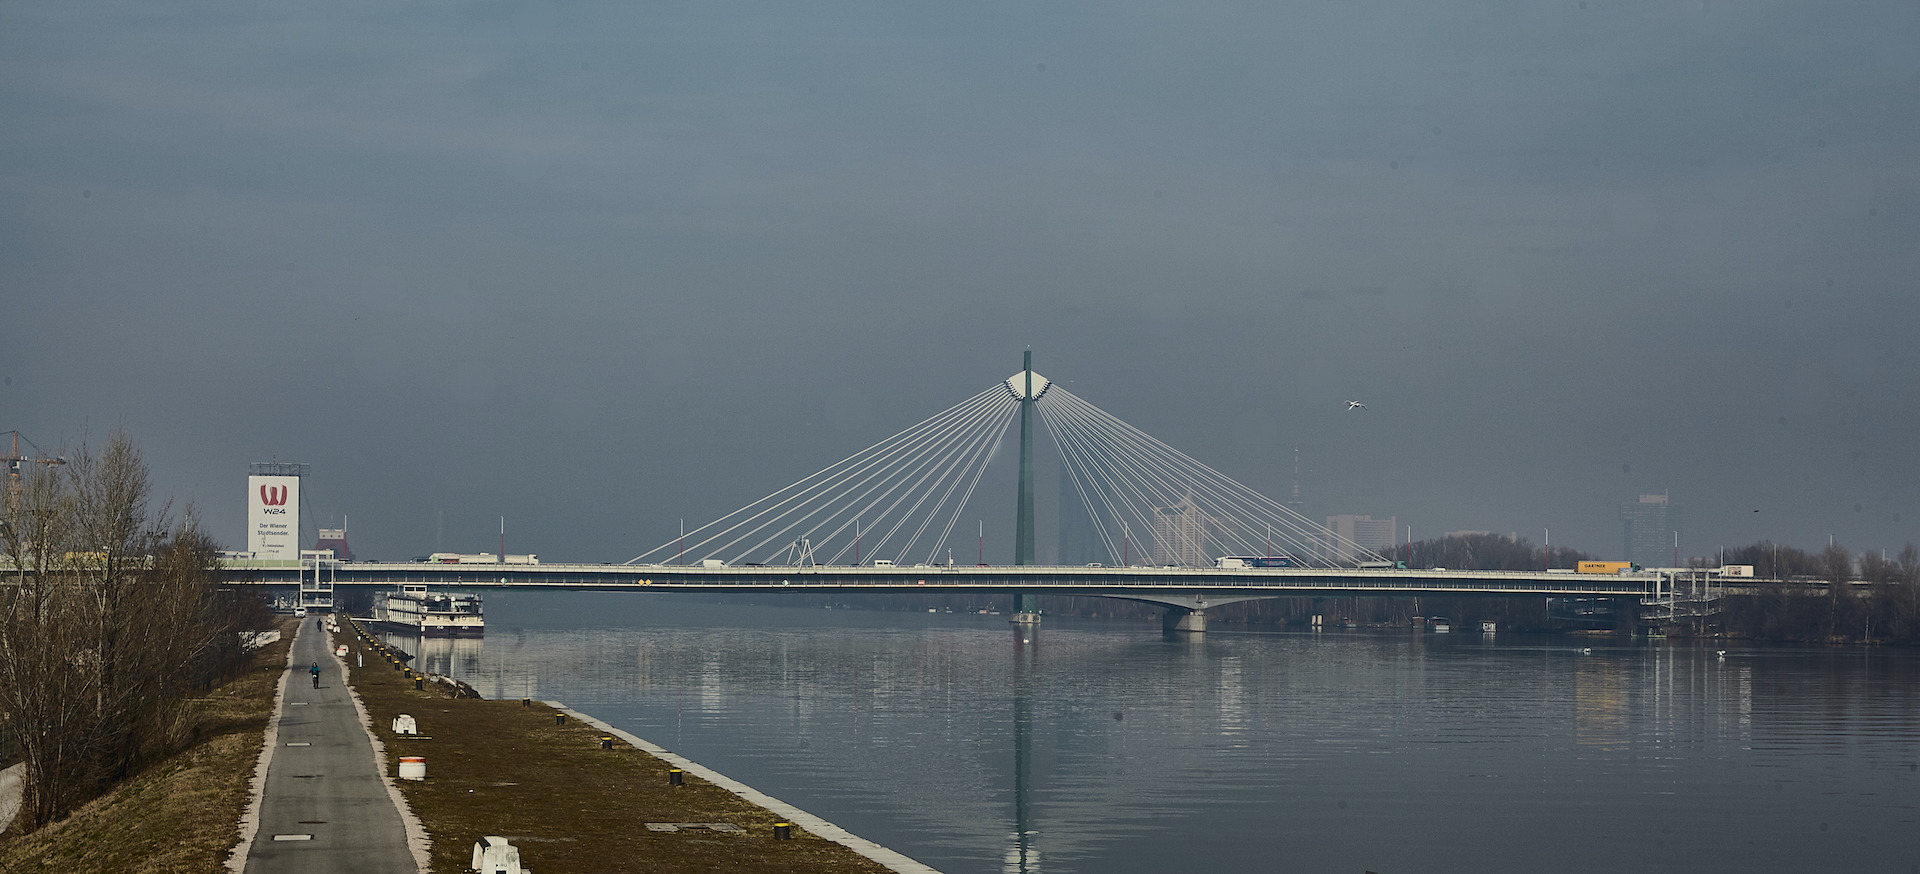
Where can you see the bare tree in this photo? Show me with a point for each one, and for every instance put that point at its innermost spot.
(106, 624)
(38, 632)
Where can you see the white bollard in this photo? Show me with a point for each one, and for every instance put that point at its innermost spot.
(493, 855)
(413, 767)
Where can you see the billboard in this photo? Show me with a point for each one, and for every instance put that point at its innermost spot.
(273, 518)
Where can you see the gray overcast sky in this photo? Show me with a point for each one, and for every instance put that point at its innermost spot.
(599, 266)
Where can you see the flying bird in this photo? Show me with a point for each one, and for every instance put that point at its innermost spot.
(1355, 405)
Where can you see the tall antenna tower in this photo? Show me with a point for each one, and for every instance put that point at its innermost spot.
(1294, 504)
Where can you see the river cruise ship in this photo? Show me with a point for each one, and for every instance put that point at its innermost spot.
(431, 614)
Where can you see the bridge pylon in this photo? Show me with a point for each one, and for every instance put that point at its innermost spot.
(1026, 606)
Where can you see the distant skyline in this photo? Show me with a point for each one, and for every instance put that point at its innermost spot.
(600, 267)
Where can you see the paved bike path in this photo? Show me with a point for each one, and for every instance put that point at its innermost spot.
(323, 806)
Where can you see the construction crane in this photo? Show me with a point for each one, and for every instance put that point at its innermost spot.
(14, 461)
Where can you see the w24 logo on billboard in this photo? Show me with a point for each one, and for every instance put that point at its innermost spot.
(273, 496)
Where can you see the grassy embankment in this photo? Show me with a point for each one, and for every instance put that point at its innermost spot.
(183, 813)
(501, 768)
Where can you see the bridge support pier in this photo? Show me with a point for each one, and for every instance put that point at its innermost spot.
(1183, 619)
(1026, 609)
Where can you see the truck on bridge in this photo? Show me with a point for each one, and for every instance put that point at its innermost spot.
(1227, 562)
(479, 558)
(1605, 567)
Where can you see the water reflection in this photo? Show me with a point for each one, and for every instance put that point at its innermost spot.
(450, 656)
(1021, 857)
(951, 739)
(462, 658)
(1600, 704)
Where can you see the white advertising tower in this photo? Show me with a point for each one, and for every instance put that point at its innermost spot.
(273, 510)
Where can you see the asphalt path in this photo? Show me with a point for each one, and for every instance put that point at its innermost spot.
(324, 807)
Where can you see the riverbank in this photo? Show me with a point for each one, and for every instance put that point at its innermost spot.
(570, 796)
(182, 814)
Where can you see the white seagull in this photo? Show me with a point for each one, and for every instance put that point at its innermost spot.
(1355, 405)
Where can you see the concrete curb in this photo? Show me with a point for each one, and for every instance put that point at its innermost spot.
(257, 789)
(417, 839)
(893, 860)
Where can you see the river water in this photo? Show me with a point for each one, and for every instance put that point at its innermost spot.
(1103, 747)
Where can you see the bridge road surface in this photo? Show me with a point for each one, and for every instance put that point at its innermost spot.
(330, 789)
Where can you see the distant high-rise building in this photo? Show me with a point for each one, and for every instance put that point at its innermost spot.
(1295, 503)
(1079, 539)
(1652, 531)
(1180, 535)
(1365, 532)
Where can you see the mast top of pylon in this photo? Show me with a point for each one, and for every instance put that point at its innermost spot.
(1017, 385)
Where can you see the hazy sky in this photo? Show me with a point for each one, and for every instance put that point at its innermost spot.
(600, 266)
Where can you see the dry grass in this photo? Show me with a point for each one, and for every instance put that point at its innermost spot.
(182, 814)
(494, 767)
(498, 768)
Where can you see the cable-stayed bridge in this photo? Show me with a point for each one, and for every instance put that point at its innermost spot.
(1170, 529)
(903, 500)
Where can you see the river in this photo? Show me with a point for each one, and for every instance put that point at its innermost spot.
(1109, 747)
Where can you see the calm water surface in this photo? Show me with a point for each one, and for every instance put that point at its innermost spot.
(1089, 747)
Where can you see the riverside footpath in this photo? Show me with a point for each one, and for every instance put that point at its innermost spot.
(324, 803)
(572, 795)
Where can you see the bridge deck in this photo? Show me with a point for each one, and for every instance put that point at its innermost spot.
(1069, 580)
